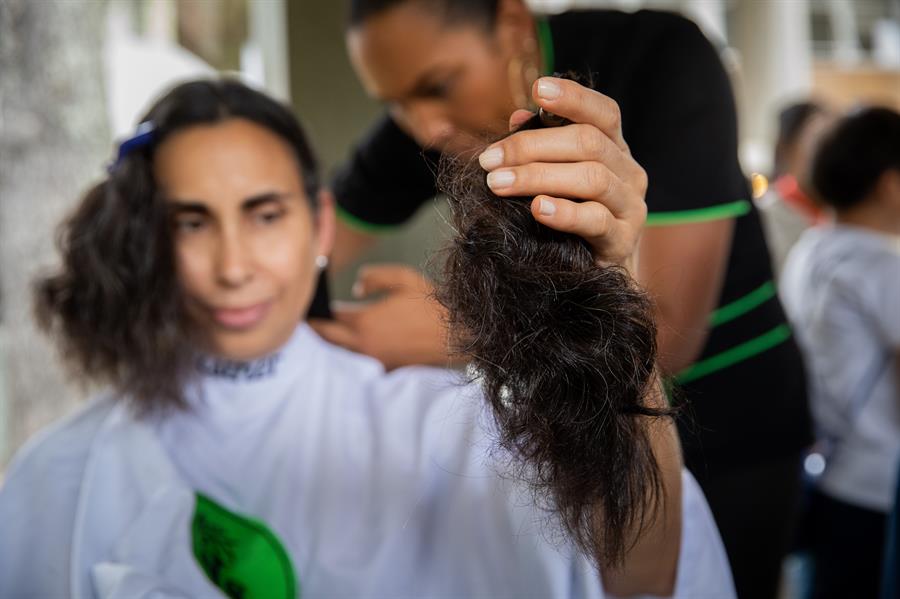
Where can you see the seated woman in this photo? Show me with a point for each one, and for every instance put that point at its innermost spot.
(238, 453)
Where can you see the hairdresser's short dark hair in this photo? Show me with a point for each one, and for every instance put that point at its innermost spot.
(482, 12)
(115, 307)
(854, 154)
(565, 351)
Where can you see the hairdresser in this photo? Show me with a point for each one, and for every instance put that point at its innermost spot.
(450, 73)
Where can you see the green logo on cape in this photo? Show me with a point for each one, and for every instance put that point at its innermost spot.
(241, 555)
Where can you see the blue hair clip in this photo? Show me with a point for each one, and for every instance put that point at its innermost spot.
(142, 137)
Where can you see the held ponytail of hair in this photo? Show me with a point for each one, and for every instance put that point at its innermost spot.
(565, 351)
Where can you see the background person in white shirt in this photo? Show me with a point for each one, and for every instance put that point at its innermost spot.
(787, 207)
(237, 452)
(841, 288)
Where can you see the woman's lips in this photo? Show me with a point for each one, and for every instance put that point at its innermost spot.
(240, 318)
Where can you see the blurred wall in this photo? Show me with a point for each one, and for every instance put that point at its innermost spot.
(844, 87)
(774, 67)
(53, 136)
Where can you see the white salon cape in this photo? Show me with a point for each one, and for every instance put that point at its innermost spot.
(377, 485)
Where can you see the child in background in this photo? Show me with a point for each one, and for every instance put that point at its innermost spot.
(787, 209)
(841, 290)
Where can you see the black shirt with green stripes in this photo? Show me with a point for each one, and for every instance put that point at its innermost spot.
(746, 394)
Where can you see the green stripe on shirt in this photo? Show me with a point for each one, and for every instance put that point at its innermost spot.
(354, 222)
(742, 305)
(545, 39)
(699, 215)
(736, 354)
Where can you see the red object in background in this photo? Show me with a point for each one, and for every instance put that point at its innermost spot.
(790, 191)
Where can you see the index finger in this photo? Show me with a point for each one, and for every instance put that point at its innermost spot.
(580, 104)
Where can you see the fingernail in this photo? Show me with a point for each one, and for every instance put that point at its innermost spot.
(491, 159)
(357, 290)
(547, 208)
(500, 179)
(548, 89)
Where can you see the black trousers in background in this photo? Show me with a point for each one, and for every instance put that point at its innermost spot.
(756, 509)
(846, 543)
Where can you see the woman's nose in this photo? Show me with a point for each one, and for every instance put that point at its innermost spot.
(429, 125)
(234, 266)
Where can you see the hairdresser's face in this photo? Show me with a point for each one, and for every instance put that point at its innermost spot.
(245, 240)
(447, 84)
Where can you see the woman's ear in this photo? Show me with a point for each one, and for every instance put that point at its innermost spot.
(887, 188)
(514, 23)
(325, 223)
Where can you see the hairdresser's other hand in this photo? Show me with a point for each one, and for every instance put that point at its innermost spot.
(403, 327)
(583, 176)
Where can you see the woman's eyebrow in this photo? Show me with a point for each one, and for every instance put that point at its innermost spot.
(251, 203)
(187, 206)
(256, 201)
(420, 85)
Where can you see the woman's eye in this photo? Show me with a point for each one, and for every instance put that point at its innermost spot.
(189, 225)
(437, 90)
(268, 217)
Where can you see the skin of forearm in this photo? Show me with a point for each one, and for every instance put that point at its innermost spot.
(349, 244)
(651, 563)
(683, 268)
(679, 349)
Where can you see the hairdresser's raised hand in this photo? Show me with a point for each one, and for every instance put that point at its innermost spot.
(404, 326)
(582, 175)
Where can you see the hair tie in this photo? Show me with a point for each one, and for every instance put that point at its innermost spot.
(548, 119)
(143, 136)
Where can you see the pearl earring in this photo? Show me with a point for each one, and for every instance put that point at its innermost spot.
(321, 261)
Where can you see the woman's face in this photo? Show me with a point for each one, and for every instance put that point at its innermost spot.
(446, 84)
(245, 240)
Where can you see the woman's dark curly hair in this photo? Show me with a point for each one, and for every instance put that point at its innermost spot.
(565, 351)
(115, 306)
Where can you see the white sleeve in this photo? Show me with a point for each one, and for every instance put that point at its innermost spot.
(120, 581)
(37, 511)
(885, 298)
(154, 559)
(703, 569)
(38, 501)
